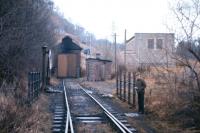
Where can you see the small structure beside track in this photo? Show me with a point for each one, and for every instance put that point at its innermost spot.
(98, 69)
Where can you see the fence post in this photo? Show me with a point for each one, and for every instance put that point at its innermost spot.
(117, 83)
(40, 80)
(34, 84)
(120, 85)
(134, 92)
(129, 87)
(37, 84)
(29, 87)
(124, 86)
(32, 87)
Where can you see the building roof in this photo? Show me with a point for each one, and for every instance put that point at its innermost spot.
(130, 39)
(68, 44)
(97, 59)
(149, 34)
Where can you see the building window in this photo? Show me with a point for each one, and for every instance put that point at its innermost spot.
(159, 43)
(151, 43)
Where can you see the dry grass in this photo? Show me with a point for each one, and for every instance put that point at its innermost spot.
(167, 100)
(15, 118)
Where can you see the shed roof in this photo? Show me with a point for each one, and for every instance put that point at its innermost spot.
(67, 44)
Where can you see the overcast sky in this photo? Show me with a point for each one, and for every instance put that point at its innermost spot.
(102, 17)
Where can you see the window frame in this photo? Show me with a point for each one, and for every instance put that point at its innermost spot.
(157, 43)
(152, 48)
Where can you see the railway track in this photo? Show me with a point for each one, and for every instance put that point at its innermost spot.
(62, 122)
(117, 118)
(77, 109)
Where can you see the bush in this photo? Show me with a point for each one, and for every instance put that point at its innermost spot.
(170, 100)
(18, 117)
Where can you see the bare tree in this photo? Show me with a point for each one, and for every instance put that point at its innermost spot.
(25, 27)
(187, 14)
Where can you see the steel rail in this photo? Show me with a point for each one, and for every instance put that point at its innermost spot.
(68, 119)
(119, 124)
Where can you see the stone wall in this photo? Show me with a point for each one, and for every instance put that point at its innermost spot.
(98, 70)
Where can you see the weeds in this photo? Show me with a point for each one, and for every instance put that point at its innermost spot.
(17, 117)
(172, 99)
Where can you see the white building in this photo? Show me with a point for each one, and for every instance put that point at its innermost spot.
(149, 49)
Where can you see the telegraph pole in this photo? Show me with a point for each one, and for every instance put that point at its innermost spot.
(90, 45)
(115, 53)
(125, 48)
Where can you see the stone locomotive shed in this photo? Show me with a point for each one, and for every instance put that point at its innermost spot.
(68, 59)
(98, 69)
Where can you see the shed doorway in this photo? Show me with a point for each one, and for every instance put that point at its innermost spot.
(67, 65)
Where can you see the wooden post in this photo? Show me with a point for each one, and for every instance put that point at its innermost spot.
(124, 86)
(29, 87)
(38, 83)
(120, 85)
(134, 91)
(117, 83)
(35, 84)
(129, 88)
(115, 53)
(32, 87)
(125, 48)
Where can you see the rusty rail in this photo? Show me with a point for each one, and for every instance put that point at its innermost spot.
(69, 125)
(119, 125)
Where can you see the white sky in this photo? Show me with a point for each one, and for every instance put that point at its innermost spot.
(99, 16)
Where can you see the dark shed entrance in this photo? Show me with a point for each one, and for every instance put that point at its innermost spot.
(69, 59)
